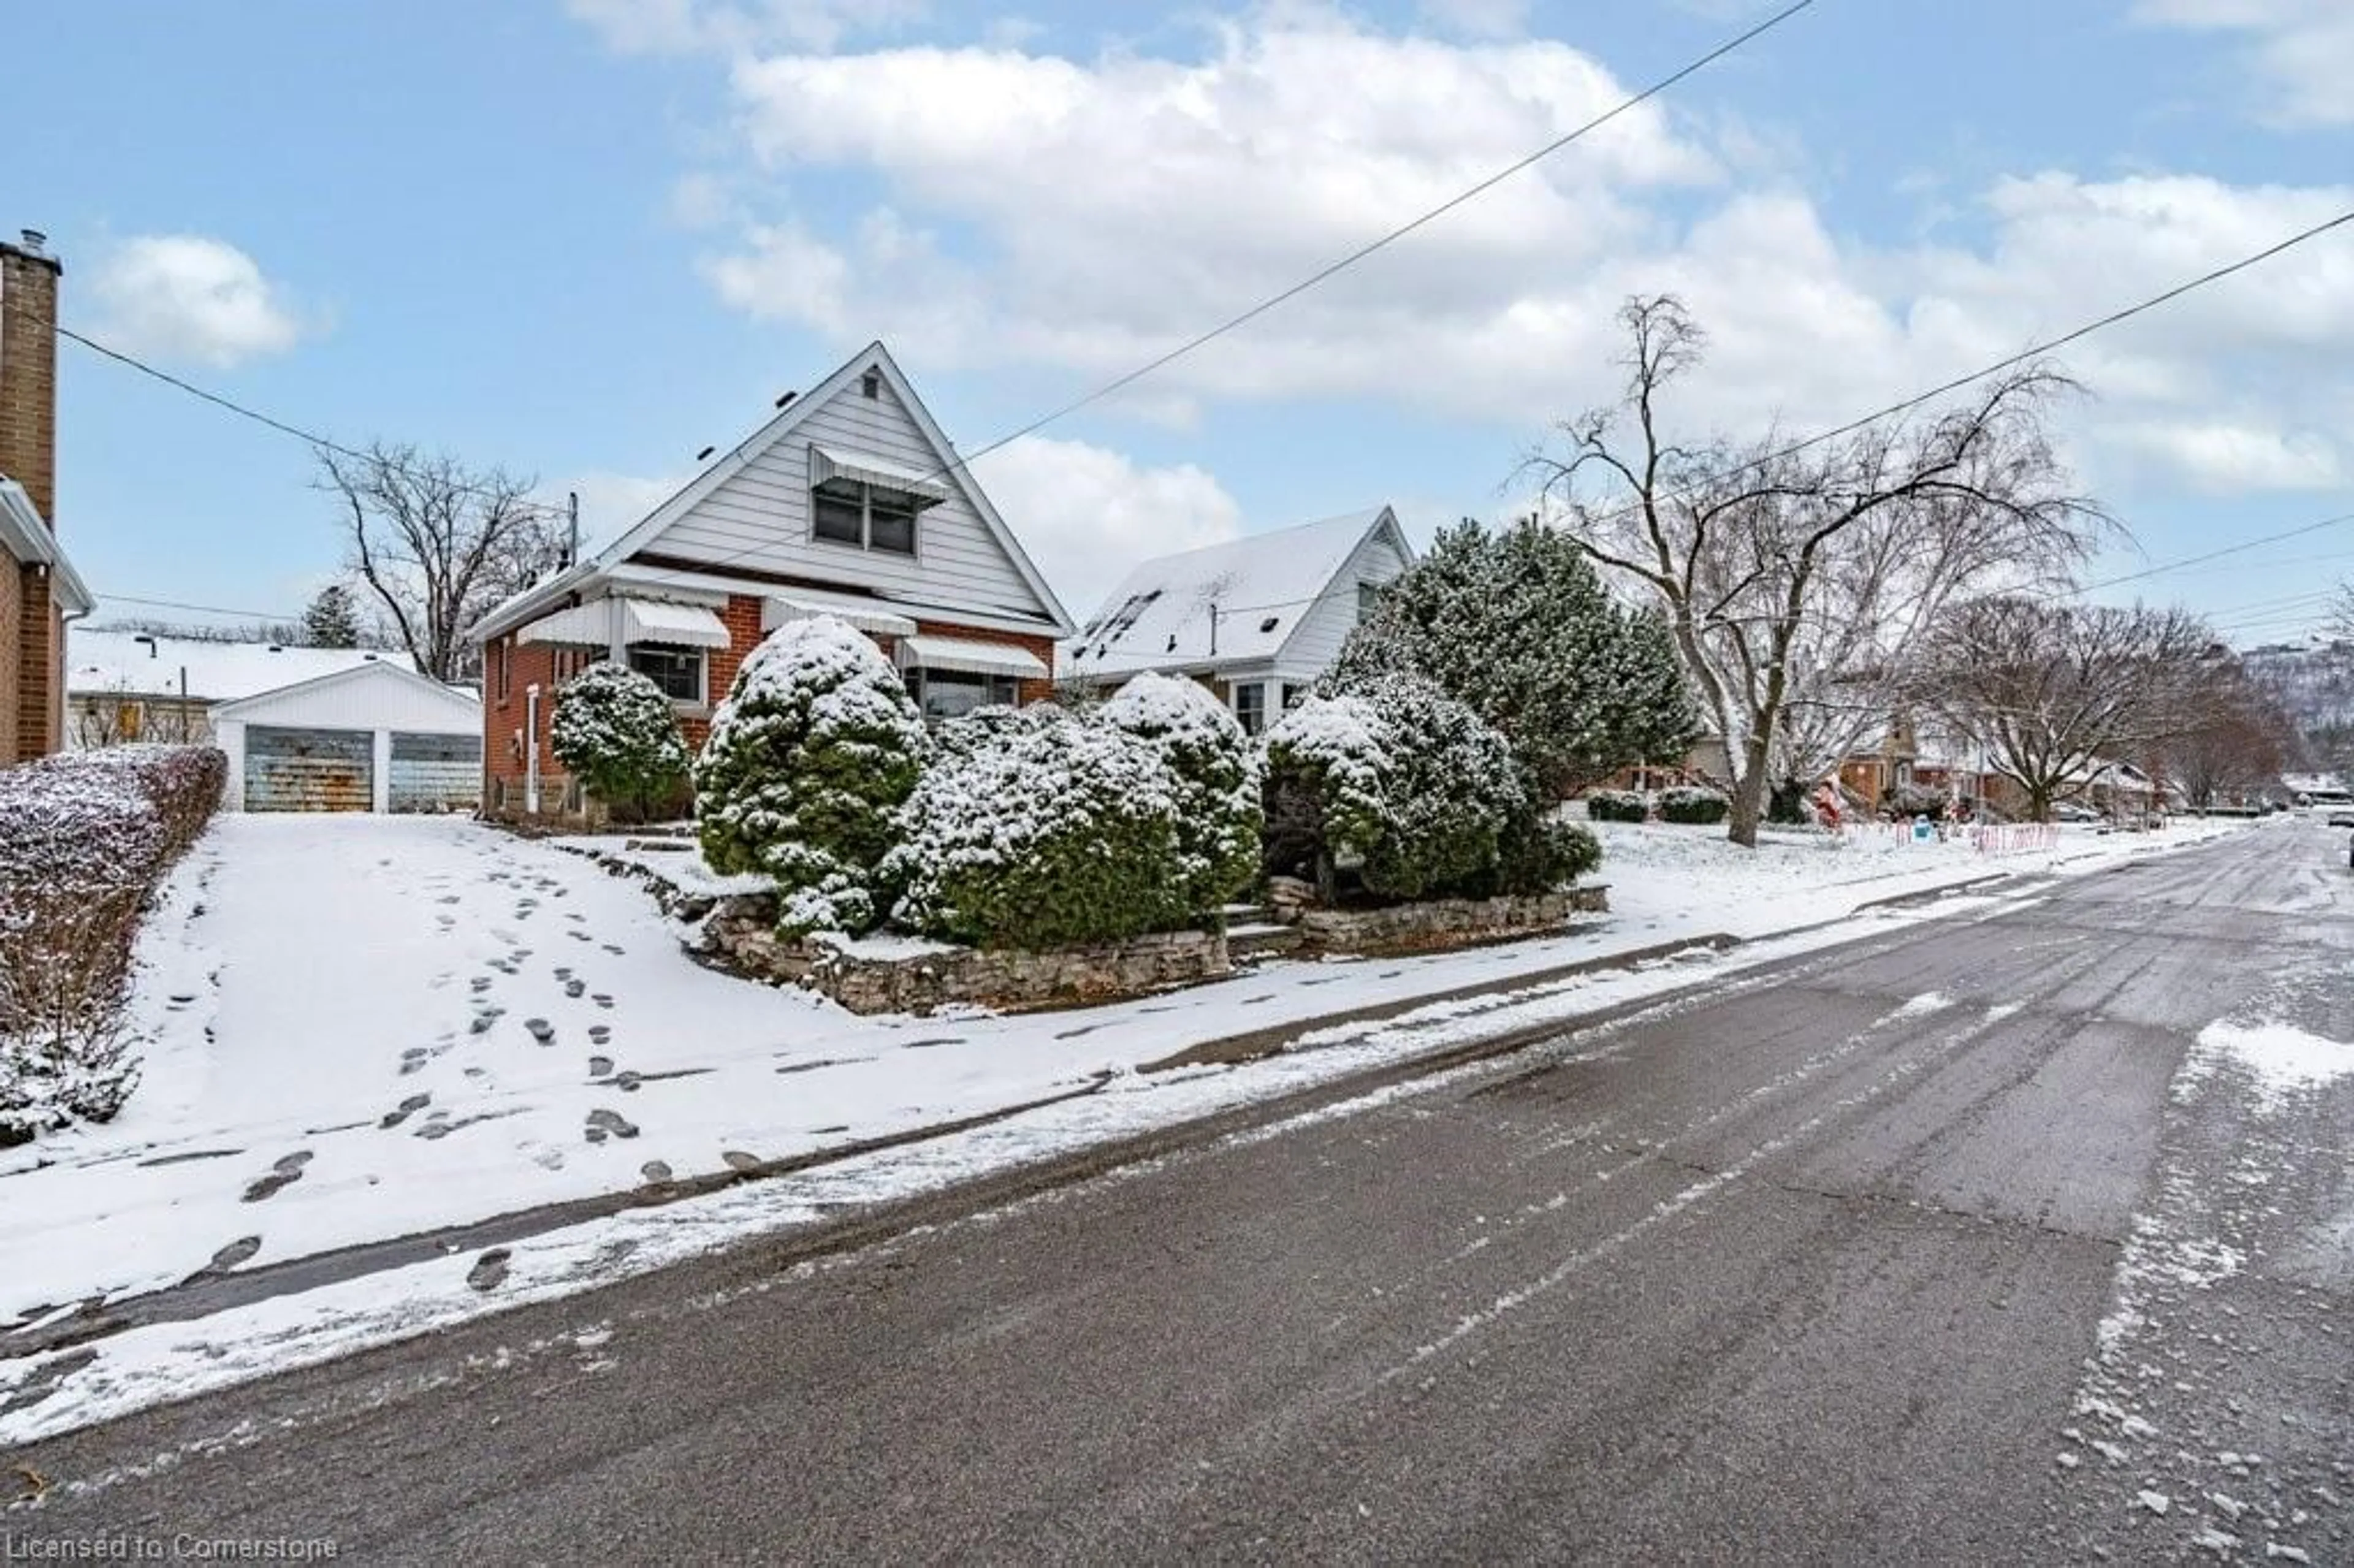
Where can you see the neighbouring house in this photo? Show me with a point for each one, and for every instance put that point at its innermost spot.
(372, 738)
(126, 686)
(1871, 773)
(848, 503)
(1256, 619)
(40, 591)
(306, 729)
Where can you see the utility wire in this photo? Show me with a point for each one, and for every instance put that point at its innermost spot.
(309, 438)
(2243, 545)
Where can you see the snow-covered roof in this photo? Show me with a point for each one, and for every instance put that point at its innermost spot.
(1259, 586)
(139, 665)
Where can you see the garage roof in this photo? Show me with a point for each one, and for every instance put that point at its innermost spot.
(370, 696)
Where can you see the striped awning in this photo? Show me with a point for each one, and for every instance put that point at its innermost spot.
(862, 468)
(806, 604)
(637, 620)
(973, 658)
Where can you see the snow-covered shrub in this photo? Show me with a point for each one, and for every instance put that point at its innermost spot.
(1324, 770)
(1694, 803)
(615, 732)
(1397, 780)
(809, 760)
(1906, 802)
(1219, 814)
(1617, 805)
(1538, 853)
(1044, 832)
(84, 837)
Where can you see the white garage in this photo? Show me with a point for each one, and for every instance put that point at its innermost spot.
(376, 737)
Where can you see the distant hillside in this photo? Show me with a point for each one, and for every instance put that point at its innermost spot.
(2314, 681)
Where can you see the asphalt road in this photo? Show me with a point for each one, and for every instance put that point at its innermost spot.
(1946, 1246)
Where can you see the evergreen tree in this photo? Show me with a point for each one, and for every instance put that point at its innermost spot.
(333, 620)
(809, 761)
(615, 732)
(1219, 818)
(1516, 625)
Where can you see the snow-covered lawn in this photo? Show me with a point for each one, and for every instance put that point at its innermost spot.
(365, 1027)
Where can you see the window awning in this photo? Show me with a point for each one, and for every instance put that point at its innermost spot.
(862, 468)
(805, 604)
(973, 658)
(637, 619)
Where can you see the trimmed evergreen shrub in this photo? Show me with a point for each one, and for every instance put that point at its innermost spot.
(615, 732)
(1617, 805)
(1405, 786)
(1539, 853)
(1219, 812)
(1514, 623)
(809, 760)
(1693, 803)
(1048, 830)
(84, 839)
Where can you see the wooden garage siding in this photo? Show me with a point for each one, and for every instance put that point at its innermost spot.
(435, 773)
(760, 518)
(309, 769)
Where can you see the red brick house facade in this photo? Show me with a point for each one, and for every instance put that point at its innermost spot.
(849, 502)
(39, 591)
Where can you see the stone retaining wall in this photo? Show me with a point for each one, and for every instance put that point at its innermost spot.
(741, 933)
(1446, 922)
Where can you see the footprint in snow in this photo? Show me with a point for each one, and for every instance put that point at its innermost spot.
(541, 1030)
(406, 1108)
(575, 987)
(482, 983)
(613, 948)
(655, 1172)
(628, 1083)
(563, 972)
(490, 1270)
(581, 936)
(599, 1033)
(607, 1123)
(738, 1160)
(283, 1175)
(237, 1252)
(599, 1066)
(602, 1000)
(413, 1060)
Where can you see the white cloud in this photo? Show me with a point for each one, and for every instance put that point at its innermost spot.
(1039, 212)
(697, 27)
(2221, 458)
(1477, 19)
(188, 298)
(2301, 50)
(612, 502)
(1086, 513)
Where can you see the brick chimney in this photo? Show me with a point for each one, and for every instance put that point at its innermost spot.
(28, 370)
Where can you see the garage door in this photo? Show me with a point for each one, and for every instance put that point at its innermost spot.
(309, 769)
(435, 772)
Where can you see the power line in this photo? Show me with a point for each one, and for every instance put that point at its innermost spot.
(1334, 268)
(205, 609)
(2243, 546)
(309, 438)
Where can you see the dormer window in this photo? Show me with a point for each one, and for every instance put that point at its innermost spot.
(867, 503)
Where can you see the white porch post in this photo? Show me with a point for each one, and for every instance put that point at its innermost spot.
(531, 748)
(380, 774)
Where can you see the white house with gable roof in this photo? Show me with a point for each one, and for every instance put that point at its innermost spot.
(1257, 619)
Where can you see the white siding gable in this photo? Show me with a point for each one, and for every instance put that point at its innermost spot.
(1316, 640)
(373, 696)
(756, 519)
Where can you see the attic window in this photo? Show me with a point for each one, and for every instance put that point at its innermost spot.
(871, 384)
(1269, 624)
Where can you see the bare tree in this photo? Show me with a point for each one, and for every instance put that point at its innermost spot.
(2235, 741)
(437, 545)
(1800, 584)
(2053, 691)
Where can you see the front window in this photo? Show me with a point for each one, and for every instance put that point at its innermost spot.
(849, 511)
(677, 670)
(946, 694)
(1250, 707)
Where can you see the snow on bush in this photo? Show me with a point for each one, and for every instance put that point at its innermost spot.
(1617, 805)
(1409, 787)
(1694, 803)
(1219, 814)
(84, 838)
(808, 763)
(1906, 802)
(1042, 829)
(615, 732)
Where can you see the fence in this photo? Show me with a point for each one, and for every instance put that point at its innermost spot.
(1989, 839)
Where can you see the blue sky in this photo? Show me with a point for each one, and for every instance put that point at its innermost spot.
(585, 239)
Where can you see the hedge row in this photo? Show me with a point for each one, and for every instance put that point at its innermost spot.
(84, 838)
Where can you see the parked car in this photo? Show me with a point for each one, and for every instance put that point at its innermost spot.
(2341, 819)
(2068, 812)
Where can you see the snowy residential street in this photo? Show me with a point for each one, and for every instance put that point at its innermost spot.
(2015, 1229)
